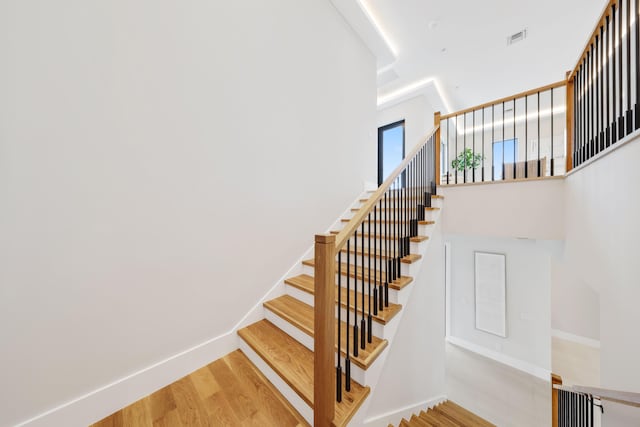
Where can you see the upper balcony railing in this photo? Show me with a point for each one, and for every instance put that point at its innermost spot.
(518, 137)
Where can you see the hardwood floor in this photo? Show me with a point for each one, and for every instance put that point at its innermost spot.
(447, 414)
(228, 392)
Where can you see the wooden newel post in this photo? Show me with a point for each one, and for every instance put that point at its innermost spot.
(570, 122)
(555, 379)
(437, 142)
(324, 339)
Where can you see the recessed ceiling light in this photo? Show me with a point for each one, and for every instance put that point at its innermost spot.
(443, 50)
(433, 24)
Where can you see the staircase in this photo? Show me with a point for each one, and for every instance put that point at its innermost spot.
(446, 414)
(281, 345)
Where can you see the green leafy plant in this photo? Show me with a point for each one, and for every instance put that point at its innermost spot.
(467, 160)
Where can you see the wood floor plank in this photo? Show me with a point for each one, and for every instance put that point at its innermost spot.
(200, 399)
(301, 316)
(294, 364)
(436, 418)
(305, 283)
(461, 415)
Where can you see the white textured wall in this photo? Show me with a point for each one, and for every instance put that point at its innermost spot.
(418, 116)
(603, 250)
(528, 287)
(414, 370)
(162, 164)
(533, 209)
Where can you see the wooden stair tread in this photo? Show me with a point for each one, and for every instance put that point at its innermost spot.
(293, 362)
(436, 419)
(416, 239)
(415, 421)
(433, 196)
(305, 283)
(458, 414)
(408, 259)
(361, 274)
(301, 316)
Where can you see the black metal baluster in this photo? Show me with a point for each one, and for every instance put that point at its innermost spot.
(637, 74)
(526, 136)
(369, 295)
(607, 142)
(614, 87)
(629, 112)
(601, 77)
(464, 148)
(574, 126)
(448, 151)
(387, 249)
(538, 135)
(473, 145)
(493, 141)
(597, 95)
(621, 128)
(347, 359)
(375, 259)
(339, 367)
(503, 138)
(355, 293)
(455, 170)
(363, 321)
(514, 139)
(483, 108)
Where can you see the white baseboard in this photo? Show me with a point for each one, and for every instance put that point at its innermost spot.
(590, 342)
(521, 365)
(394, 417)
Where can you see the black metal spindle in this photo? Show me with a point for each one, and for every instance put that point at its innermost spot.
(539, 135)
(514, 139)
(601, 77)
(448, 151)
(503, 138)
(597, 94)
(552, 119)
(608, 91)
(455, 170)
(464, 148)
(473, 145)
(387, 267)
(621, 128)
(371, 254)
(347, 360)
(339, 367)
(482, 173)
(629, 112)
(493, 141)
(363, 321)
(614, 87)
(637, 73)
(526, 136)
(375, 259)
(355, 293)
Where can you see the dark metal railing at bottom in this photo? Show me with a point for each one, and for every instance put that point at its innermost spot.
(576, 409)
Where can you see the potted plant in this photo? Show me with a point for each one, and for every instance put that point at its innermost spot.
(467, 159)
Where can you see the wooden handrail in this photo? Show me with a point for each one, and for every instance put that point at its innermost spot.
(505, 99)
(367, 207)
(624, 397)
(555, 380)
(324, 341)
(603, 17)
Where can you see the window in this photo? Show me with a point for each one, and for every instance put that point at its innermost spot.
(503, 152)
(390, 149)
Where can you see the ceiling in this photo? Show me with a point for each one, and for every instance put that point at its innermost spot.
(457, 50)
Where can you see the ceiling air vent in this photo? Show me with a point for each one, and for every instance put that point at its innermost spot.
(517, 37)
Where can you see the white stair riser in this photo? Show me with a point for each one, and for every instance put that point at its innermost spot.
(405, 270)
(289, 394)
(423, 230)
(357, 373)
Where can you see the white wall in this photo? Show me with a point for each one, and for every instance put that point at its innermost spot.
(533, 209)
(603, 248)
(418, 116)
(162, 164)
(414, 370)
(528, 287)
